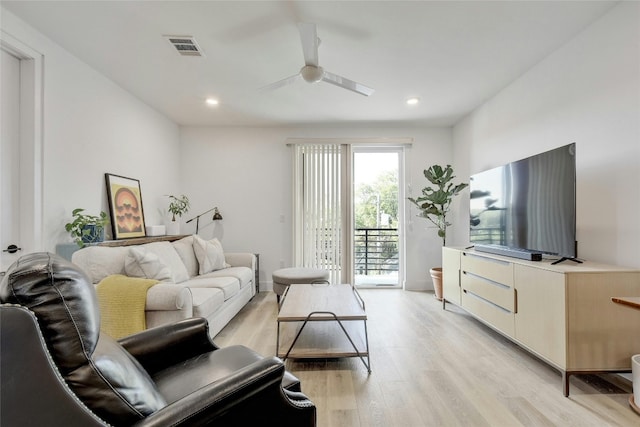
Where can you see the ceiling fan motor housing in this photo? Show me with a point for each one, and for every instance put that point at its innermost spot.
(311, 74)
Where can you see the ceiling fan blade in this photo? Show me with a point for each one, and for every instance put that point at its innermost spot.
(281, 83)
(309, 38)
(345, 83)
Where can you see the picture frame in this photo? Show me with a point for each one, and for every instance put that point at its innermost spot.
(125, 207)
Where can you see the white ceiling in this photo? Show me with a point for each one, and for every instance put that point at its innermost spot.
(454, 55)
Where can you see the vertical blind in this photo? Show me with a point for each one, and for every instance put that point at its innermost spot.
(318, 202)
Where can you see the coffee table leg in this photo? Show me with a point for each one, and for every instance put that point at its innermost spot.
(366, 338)
(278, 339)
(297, 335)
(366, 364)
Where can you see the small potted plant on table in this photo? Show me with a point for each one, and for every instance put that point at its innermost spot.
(178, 206)
(434, 205)
(87, 228)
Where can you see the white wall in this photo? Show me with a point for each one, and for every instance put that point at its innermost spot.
(587, 92)
(91, 127)
(246, 172)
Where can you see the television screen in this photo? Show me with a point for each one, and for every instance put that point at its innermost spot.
(529, 204)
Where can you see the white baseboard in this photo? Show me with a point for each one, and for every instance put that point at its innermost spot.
(265, 286)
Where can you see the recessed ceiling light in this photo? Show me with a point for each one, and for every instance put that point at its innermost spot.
(413, 101)
(212, 101)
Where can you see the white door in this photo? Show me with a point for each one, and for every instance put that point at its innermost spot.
(9, 159)
(21, 94)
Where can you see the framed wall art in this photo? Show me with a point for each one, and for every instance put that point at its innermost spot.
(125, 206)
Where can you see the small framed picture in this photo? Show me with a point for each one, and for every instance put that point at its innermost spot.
(125, 206)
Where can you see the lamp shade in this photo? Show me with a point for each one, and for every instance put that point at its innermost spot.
(216, 215)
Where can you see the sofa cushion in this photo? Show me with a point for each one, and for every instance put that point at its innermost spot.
(243, 274)
(100, 261)
(184, 248)
(206, 301)
(198, 372)
(169, 256)
(229, 285)
(142, 263)
(210, 254)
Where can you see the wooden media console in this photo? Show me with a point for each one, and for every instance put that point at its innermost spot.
(561, 313)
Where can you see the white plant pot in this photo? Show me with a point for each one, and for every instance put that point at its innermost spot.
(173, 228)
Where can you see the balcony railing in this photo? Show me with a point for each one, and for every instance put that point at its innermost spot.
(376, 251)
(491, 235)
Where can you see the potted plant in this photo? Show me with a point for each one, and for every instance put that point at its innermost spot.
(178, 206)
(434, 205)
(87, 228)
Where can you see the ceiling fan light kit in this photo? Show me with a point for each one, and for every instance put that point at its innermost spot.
(311, 72)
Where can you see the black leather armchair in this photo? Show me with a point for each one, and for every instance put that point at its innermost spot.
(58, 369)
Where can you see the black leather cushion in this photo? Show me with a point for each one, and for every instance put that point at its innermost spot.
(197, 372)
(109, 380)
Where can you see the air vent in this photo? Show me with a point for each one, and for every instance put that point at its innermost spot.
(185, 45)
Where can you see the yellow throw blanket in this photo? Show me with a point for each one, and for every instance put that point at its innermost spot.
(122, 302)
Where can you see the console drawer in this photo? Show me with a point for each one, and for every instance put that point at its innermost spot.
(488, 312)
(492, 269)
(497, 293)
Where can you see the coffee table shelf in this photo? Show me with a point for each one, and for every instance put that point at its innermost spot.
(322, 321)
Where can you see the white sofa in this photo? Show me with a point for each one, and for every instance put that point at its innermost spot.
(197, 278)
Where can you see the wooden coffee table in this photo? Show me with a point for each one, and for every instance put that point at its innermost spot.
(322, 321)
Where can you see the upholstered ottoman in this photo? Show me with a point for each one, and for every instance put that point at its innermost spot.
(290, 276)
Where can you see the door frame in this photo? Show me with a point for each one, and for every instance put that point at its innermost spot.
(31, 141)
(401, 144)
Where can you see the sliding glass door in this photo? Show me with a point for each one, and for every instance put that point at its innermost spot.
(348, 210)
(376, 228)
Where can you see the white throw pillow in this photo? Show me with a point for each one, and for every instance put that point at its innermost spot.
(184, 247)
(210, 254)
(101, 261)
(141, 263)
(169, 257)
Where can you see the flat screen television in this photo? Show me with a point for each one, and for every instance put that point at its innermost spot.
(527, 208)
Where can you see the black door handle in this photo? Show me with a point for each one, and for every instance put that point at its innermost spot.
(12, 249)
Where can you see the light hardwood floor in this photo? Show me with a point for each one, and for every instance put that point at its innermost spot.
(434, 367)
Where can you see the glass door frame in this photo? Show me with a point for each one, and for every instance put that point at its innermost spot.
(379, 148)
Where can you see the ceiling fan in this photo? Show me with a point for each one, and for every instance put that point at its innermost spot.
(311, 72)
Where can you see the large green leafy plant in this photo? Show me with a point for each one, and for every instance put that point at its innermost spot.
(86, 228)
(435, 202)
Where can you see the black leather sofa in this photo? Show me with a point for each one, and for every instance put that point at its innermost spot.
(58, 369)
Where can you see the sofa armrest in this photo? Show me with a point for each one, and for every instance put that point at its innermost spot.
(167, 345)
(250, 396)
(169, 297)
(241, 259)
